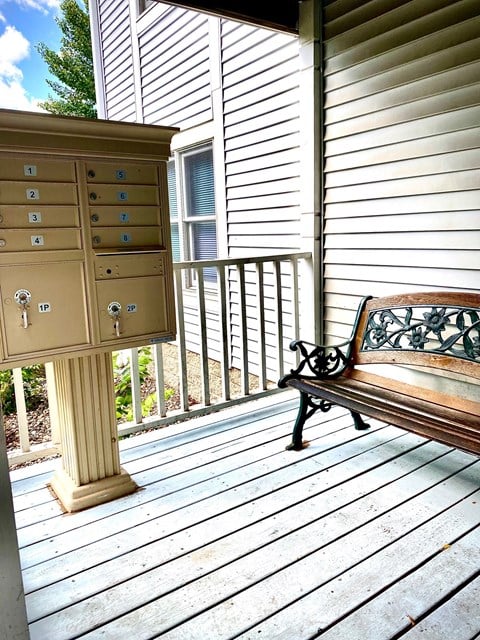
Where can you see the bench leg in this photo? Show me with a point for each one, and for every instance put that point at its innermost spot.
(359, 422)
(308, 406)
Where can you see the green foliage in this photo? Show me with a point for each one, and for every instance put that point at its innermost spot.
(72, 65)
(33, 385)
(123, 385)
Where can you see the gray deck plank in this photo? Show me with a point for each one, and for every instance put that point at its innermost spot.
(248, 528)
(256, 587)
(234, 537)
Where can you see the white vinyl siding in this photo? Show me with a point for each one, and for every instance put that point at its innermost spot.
(402, 159)
(175, 69)
(114, 18)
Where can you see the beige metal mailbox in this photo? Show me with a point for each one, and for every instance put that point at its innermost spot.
(76, 194)
(85, 269)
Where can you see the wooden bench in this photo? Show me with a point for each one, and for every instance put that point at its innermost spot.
(427, 347)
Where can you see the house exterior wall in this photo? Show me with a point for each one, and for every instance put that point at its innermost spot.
(402, 151)
(237, 84)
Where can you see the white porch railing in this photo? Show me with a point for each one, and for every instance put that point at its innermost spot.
(235, 319)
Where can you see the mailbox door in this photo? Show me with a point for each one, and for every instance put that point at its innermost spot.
(142, 308)
(55, 316)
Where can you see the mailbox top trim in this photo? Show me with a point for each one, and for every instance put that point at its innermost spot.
(27, 132)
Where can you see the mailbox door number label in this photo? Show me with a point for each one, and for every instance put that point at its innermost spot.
(29, 170)
(34, 217)
(44, 307)
(37, 241)
(131, 308)
(33, 194)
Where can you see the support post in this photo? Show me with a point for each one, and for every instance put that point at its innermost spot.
(91, 473)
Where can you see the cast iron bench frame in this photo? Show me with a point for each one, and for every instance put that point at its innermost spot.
(438, 330)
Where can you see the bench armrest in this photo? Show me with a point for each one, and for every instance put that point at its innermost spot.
(319, 362)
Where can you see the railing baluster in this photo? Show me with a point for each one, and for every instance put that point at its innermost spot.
(22, 418)
(203, 336)
(182, 350)
(243, 330)
(295, 306)
(136, 387)
(222, 292)
(262, 356)
(159, 379)
(279, 314)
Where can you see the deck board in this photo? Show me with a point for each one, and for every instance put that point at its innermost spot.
(361, 535)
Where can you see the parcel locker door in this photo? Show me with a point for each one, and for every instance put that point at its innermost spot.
(130, 307)
(43, 307)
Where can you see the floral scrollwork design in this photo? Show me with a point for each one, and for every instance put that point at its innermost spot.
(450, 330)
(318, 361)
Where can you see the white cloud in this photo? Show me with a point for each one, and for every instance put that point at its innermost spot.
(14, 48)
(40, 5)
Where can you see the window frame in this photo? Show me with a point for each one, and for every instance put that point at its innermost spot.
(185, 220)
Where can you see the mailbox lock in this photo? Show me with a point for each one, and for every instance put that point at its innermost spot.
(93, 195)
(96, 239)
(2, 242)
(114, 309)
(23, 297)
(94, 217)
(91, 173)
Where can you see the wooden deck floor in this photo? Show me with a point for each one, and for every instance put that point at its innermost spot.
(362, 536)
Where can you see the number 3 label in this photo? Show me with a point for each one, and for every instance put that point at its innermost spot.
(34, 217)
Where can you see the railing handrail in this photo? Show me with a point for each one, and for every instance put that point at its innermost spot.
(219, 262)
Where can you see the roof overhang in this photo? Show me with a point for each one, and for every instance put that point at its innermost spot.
(281, 16)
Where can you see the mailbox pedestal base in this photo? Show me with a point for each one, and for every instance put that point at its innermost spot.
(91, 473)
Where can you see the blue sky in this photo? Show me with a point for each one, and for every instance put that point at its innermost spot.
(23, 24)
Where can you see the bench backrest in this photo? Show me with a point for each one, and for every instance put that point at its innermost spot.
(434, 329)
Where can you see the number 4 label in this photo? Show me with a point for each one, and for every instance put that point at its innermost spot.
(37, 241)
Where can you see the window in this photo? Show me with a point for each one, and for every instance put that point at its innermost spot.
(143, 5)
(192, 207)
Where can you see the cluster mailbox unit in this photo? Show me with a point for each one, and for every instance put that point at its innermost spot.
(85, 269)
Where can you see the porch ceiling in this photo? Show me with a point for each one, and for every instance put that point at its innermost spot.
(282, 16)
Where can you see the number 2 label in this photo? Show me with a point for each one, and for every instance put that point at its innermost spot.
(33, 194)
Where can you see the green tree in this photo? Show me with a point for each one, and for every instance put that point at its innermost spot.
(72, 65)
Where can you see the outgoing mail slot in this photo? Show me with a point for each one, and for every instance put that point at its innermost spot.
(55, 315)
(125, 194)
(123, 216)
(35, 168)
(143, 308)
(33, 217)
(37, 192)
(129, 265)
(127, 238)
(38, 239)
(121, 173)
